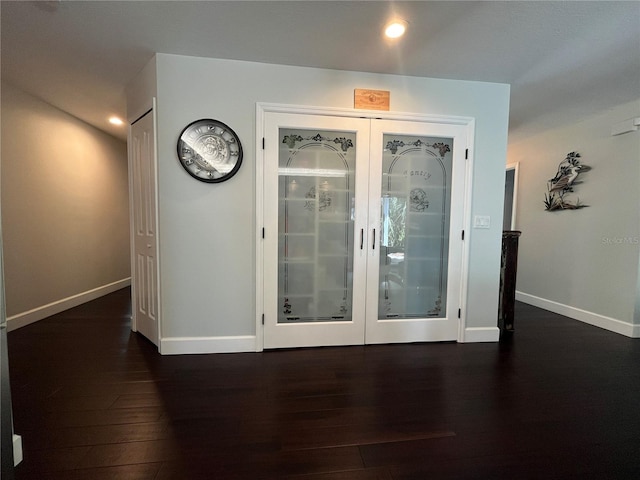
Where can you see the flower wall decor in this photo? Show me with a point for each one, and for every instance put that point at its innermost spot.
(563, 183)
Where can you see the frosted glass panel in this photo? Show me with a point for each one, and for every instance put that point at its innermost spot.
(316, 174)
(414, 243)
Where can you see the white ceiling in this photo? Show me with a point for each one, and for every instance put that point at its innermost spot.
(564, 59)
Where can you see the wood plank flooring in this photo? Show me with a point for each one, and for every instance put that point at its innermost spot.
(95, 401)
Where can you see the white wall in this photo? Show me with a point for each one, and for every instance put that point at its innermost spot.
(64, 209)
(207, 231)
(582, 263)
(141, 91)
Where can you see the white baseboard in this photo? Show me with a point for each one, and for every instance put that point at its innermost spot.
(26, 318)
(595, 319)
(480, 334)
(17, 449)
(186, 345)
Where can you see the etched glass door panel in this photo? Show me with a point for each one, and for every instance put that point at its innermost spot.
(315, 206)
(316, 192)
(416, 201)
(414, 226)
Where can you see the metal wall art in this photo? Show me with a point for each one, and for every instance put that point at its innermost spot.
(563, 184)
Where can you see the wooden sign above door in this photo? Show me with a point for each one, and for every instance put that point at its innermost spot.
(371, 99)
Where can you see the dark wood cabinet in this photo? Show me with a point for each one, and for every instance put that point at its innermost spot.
(508, 271)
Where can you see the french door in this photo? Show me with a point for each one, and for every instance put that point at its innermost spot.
(362, 223)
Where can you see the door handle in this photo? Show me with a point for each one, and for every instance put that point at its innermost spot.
(361, 238)
(373, 244)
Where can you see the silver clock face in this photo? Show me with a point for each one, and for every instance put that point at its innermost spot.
(209, 151)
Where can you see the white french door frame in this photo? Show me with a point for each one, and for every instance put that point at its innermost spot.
(263, 108)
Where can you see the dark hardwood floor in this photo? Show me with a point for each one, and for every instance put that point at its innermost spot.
(95, 401)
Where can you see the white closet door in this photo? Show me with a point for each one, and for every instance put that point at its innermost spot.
(315, 216)
(144, 235)
(417, 175)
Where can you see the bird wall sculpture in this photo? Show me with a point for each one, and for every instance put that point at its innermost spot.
(563, 183)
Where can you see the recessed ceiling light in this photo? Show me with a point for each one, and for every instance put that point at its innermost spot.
(395, 28)
(116, 121)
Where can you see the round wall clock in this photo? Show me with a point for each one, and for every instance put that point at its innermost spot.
(210, 151)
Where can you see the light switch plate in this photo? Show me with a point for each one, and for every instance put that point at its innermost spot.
(481, 221)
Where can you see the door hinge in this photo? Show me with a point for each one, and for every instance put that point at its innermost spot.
(262, 232)
(263, 318)
(263, 143)
(462, 234)
(466, 153)
(459, 314)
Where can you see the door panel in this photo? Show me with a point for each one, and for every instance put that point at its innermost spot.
(315, 202)
(414, 230)
(315, 231)
(417, 174)
(145, 274)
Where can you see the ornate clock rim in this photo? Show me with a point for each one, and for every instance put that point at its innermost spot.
(211, 149)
